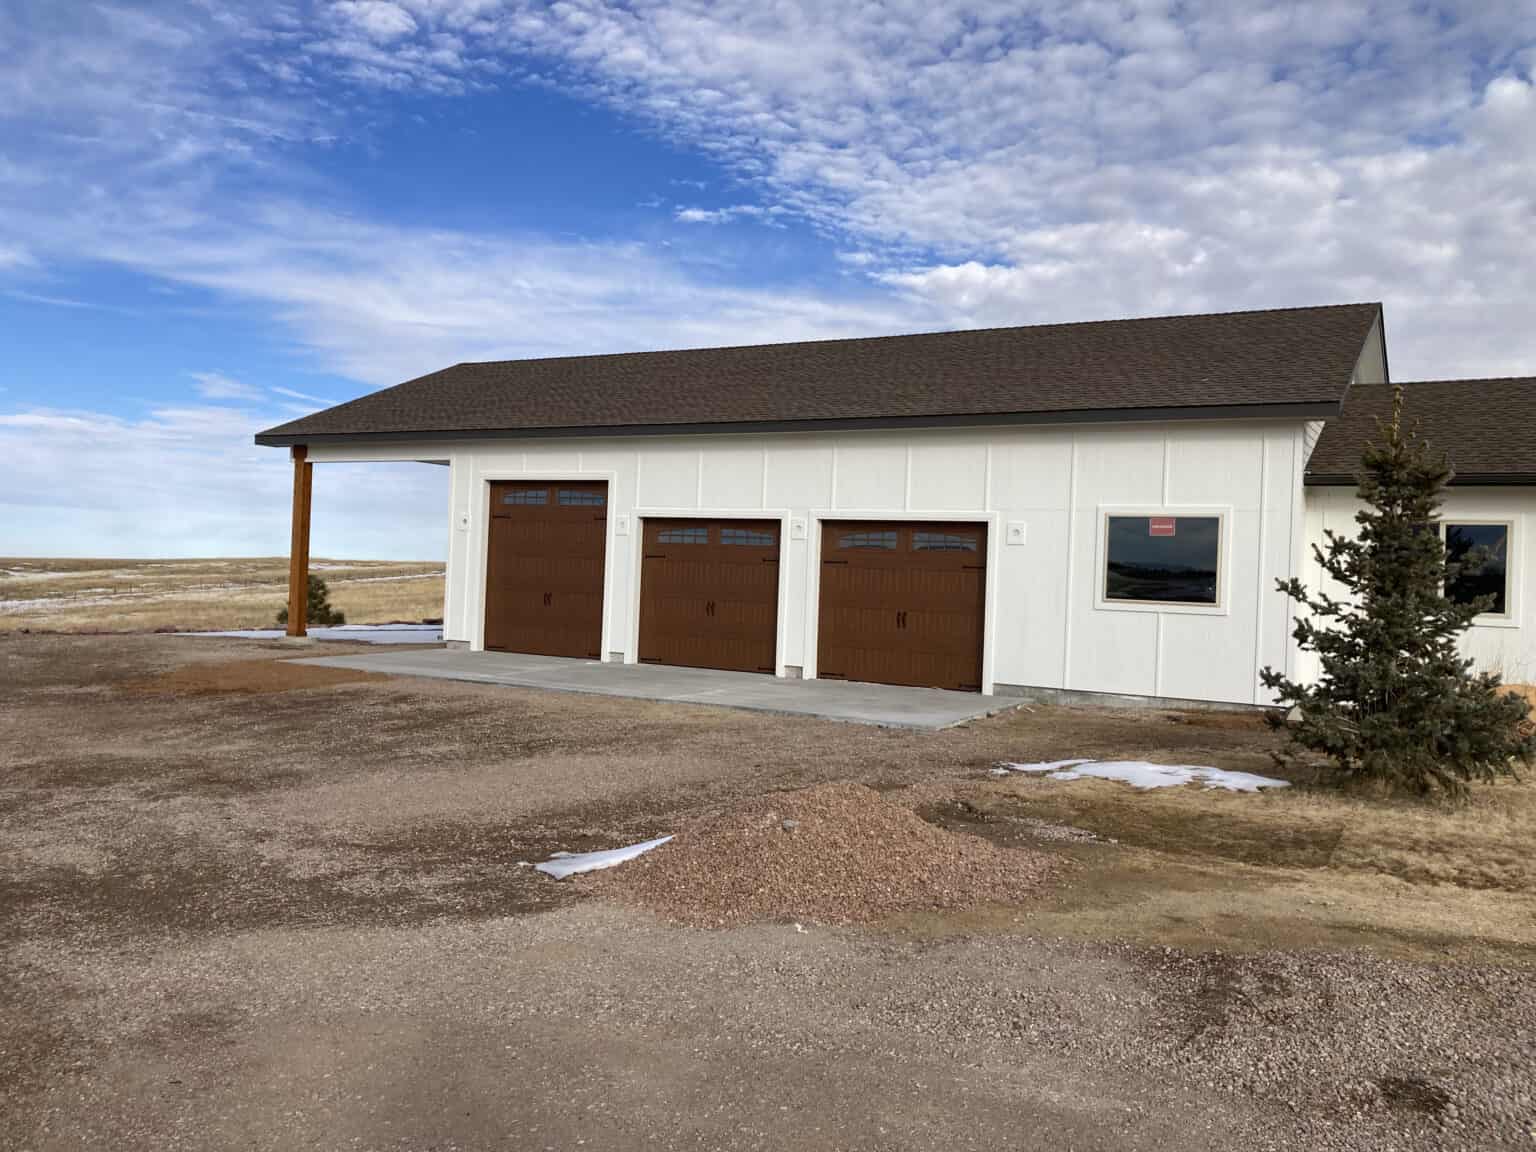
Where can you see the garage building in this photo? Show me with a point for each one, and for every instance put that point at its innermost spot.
(1100, 507)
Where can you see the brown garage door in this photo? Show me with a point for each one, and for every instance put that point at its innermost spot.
(544, 573)
(902, 603)
(709, 594)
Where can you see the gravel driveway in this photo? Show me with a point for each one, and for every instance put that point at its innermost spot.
(238, 916)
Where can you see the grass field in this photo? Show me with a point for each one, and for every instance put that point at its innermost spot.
(43, 595)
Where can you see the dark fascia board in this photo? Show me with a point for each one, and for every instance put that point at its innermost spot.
(1322, 410)
(1459, 480)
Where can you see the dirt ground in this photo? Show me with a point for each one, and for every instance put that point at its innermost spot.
(245, 905)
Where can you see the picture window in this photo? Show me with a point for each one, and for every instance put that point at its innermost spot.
(1162, 559)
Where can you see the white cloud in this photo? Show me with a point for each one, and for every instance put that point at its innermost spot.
(381, 303)
(217, 386)
(310, 401)
(44, 298)
(188, 481)
(724, 215)
(378, 19)
(702, 215)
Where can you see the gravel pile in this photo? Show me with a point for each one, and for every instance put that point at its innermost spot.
(833, 854)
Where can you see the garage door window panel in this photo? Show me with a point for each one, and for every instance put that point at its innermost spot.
(943, 542)
(747, 538)
(692, 534)
(872, 541)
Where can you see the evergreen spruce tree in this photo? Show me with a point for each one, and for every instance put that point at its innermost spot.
(1396, 706)
(319, 610)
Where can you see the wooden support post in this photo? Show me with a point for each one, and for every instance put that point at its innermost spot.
(298, 548)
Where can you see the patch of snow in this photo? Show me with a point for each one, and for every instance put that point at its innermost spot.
(563, 864)
(364, 633)
(1141, 774)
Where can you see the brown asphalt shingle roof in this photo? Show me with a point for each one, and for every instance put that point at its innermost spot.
(1486, 427)
(1294, 356)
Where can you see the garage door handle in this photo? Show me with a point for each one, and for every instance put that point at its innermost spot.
(709, 608)
(549, 599)
(901, 619)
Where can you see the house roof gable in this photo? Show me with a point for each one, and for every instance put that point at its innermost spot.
(1295, 361)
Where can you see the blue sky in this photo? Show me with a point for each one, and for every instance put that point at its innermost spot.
(216, 215)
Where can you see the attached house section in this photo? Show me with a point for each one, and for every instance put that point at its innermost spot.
(1487, 428)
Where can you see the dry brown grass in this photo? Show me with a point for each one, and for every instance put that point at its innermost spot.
(1300, 867)
(246, 678)
(1485, 843)
(202, 595)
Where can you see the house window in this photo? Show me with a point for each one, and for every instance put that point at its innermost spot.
(1162, 559)
(689, 535)
(1465, 544)
(876, 540)
(578, 496)
(751, 537)
(943, 542)
(526, 496)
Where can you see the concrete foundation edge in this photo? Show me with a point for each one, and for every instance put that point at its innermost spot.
(1075, 698)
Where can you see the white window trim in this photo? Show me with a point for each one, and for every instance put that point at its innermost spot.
(1509, 618)
(1222, 607)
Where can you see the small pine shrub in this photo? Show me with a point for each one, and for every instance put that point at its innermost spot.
(319, 610)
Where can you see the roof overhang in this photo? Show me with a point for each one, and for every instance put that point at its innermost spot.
(1458, 480)
(1320, 410)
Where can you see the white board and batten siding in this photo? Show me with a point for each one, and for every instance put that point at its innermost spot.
(1504, 644)
(1045, 625)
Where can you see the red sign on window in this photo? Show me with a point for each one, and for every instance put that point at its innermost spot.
(1161, 525)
